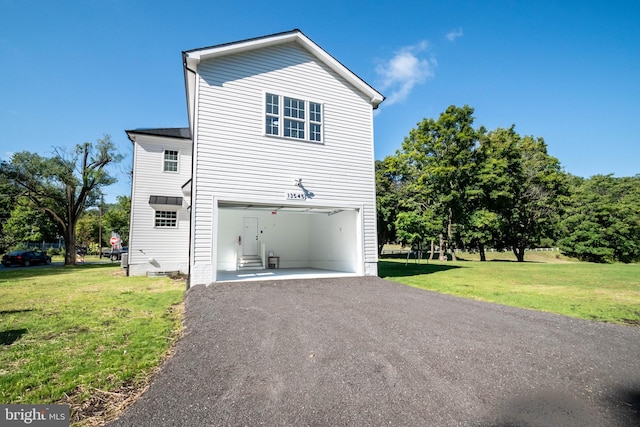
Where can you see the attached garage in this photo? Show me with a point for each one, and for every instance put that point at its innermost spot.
(287, 236)
(265, 115)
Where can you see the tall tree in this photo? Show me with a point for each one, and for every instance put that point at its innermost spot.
(602, 220)
(390, 181)
(531, 195)
(491, 187)
(440, 155)
(63, 185)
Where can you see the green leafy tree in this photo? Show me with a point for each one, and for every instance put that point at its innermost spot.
(416, 228)
(390, 181)
(116, 218)
(26, 225)
(530, 201)
(63, 185)
(490, 191)
(439, 154)
(481, 228)
(88, 228)
(602, 219)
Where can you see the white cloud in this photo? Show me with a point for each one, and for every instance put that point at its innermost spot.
(405, 70)
(6, 156)
(453, 35)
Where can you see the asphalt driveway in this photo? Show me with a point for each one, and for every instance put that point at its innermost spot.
(368, 352)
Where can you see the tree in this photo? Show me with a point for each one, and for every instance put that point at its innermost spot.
(414, 228)
(27, 225)
(490, 190)
(88, 228)
(602, 219)
(530, 193)
(440, 156)
(390, 181)
(63, 185)
(117, 216)
(480, 230)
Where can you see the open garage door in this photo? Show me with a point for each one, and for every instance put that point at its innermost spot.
(302, 237)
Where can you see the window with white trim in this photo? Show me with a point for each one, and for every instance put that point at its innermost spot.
(166, 219)
(300, 119)
(170, 161)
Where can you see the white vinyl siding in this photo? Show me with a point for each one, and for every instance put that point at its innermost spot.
(236, 157)
(167, 247)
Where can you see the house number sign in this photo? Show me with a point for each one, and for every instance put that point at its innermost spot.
(296, 195)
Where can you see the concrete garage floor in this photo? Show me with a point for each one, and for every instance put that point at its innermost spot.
(362, 351)
(279, 274)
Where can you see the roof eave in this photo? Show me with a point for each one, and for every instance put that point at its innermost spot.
(193, 57)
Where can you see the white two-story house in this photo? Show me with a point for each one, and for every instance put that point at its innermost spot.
(276, 168)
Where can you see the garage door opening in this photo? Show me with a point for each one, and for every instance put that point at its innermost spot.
(290, 241)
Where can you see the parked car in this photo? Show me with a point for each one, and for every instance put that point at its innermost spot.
(116, 254)
(25, 258)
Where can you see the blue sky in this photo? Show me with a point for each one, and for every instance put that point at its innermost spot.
(567, 71)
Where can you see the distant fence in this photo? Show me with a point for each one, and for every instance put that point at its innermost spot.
(44, 246)
(426, 251)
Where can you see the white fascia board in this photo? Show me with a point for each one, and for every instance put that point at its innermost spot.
(158, 139)
(193, 58)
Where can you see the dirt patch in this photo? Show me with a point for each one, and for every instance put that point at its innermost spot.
(103, 406)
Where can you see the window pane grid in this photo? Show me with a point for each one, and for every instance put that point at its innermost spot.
(294, 129)
(294, 108)
(315, 114)
(170, 160)
(315, 132)
(166, 218)
(272, 104)
(291, 121)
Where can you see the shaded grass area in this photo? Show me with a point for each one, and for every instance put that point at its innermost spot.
(603, 292)
(68, 332)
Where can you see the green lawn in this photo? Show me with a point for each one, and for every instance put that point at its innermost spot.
(69, 334)
(603, 292)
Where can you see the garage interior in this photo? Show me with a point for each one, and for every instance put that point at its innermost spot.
(287, 241)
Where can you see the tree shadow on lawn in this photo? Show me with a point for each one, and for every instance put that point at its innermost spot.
(11, 336)
(399, 269)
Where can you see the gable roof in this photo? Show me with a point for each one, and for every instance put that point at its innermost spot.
(178, 133)
(194, 56)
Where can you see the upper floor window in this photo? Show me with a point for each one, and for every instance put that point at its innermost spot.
(273, 114)
(170, 161)
(300, 119)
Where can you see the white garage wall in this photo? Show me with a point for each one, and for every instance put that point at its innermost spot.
(300, 240)
(335, 243)
(285, 234)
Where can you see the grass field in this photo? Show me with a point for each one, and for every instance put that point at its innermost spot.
(548, 282)
(84, 335)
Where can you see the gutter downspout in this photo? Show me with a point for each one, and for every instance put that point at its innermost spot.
(193, 164)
